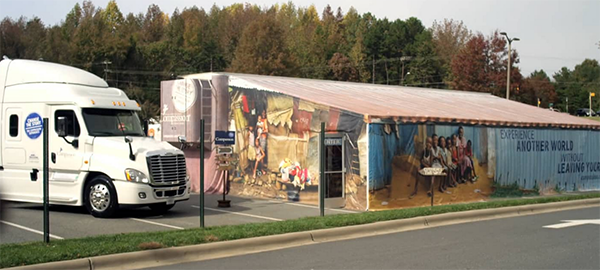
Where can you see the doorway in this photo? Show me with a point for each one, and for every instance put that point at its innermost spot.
(335, 171)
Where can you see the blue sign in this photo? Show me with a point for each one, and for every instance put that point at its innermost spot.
(224, 137)
(33, 126)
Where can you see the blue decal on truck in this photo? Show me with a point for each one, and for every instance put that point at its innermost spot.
(33, 126)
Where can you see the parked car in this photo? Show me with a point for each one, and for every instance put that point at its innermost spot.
(585, 112)
(554, 109)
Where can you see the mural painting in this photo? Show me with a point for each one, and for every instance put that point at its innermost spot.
(476, 161)
(405, 149)
(278, 147)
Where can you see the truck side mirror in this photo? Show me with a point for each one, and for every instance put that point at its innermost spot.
(182, 140)
(61, 125)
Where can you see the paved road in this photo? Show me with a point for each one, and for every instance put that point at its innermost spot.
(509, 243)
(22, 222)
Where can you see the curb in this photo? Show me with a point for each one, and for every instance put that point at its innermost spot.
(72, 264)
(175, 255)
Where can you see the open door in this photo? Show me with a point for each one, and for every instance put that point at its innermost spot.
(335, 171)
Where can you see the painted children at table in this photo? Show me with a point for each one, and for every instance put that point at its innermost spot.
(426, 160)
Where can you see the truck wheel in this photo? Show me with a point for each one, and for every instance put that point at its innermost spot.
(100, 197)
(161, 208)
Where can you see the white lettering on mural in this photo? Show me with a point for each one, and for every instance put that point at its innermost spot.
(224, 139)
(526, 142)
(176, 118)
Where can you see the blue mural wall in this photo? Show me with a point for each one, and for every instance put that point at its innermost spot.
(396, 140)
(546, 158)
(569, 159)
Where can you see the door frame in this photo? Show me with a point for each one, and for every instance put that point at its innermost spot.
(337, 202)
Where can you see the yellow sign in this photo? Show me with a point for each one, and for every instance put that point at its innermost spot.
(592, 94)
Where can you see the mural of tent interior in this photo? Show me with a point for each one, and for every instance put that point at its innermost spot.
(385, 147)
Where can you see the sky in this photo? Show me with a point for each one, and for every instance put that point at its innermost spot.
(553, 33)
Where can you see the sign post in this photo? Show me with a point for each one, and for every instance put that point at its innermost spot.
(322, 170)
(224, 140)
(592, 94)
(201, 173)
(433, 172)
(45, 181)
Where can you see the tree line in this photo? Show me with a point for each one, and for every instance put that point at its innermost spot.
(136, 51)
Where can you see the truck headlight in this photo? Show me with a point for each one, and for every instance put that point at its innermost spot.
(136, 176)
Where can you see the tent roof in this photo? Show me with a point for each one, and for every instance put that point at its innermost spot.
(410, 104)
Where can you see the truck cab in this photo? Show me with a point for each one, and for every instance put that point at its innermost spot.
(99, 155)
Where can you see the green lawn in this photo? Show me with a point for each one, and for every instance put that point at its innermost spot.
(597, 118)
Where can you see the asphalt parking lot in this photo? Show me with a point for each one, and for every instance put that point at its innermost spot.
(22, 222)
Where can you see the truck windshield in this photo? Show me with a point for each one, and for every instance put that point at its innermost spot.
(108, 122)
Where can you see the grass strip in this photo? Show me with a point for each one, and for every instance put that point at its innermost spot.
(597, 118)
(68, 249)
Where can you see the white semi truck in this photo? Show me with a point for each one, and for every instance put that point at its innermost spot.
(99, 156)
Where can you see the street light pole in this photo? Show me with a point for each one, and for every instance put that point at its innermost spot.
(508, 72)
(508, 69)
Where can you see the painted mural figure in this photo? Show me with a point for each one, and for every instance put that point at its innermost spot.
(260, 126)
(450, 162)
(262, 129)
(250, 145)
(260, 155)
(469, 154)
(466, 164)
(454, 154)
(437, 159)
(455, 161)
(426, 162)
(445, 154)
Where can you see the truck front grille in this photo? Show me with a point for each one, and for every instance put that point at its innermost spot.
(167, 169)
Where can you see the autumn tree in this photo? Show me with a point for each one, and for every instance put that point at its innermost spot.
(449, 37)
(283, 39)
(354, 28)
(481, 66)
(232, 21)
(11, 40)
(34, 38)
(331, 38)
(262, 50)
(112, 16)
(305, 47)
(154, 24)
(469, 66)
(537, 86)
(342, 68)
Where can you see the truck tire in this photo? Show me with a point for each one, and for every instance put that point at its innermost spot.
(100, 197)
(161, 208)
